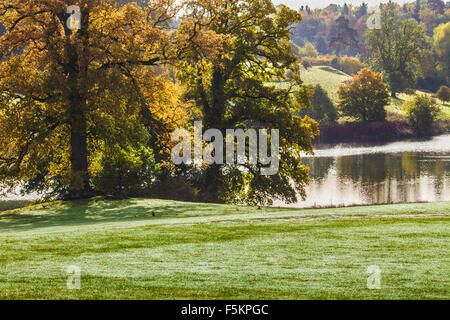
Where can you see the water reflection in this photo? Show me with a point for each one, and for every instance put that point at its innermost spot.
(393, 173)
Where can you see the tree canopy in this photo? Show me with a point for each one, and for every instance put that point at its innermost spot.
(364, 97)
(396, 49)
(65, 93)
(89, 108)
(441, 42)
(322, 108)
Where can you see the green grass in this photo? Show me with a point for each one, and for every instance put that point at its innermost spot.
(396, 105)
(329, 78)
(154, 249)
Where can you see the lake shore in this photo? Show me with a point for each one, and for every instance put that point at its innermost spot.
(375, 132)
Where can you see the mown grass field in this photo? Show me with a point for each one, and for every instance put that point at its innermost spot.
(329, 78)
(155, 249)
(396, 105)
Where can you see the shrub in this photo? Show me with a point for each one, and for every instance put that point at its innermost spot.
(306, 64)
(177, 188)
(444, 94)
(421, 112)
(322, 108)
(335, 62)
(124, 171)
(309, 50)
(350, 65)
(364, 97)
(317, 61)
(306, 51)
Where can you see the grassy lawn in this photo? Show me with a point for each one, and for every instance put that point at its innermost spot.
(155, 249)
(328, 77)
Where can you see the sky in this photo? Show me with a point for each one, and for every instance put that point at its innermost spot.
(295, 4)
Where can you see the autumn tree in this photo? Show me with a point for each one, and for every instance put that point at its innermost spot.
(237, 92)
(346, 38)
(437, 6)
(396, 50)
(362, 10)
(321, 44)
(309, 51)
(364, 97)
(416, 12)
(67, 87)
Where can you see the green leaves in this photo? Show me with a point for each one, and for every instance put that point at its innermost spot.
(396, 49)
(233, 92)
(421, 112)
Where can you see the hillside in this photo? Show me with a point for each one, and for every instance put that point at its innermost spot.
(155, 249)
(328, 77)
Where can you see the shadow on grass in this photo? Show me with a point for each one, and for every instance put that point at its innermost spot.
(332, 70)
(13, 204)
(99, 211)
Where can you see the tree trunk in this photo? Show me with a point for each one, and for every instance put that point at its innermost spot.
(212, 183)
(80, 187)
(74, 69)
(213, 118)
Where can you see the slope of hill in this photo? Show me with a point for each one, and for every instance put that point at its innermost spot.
(329, 78)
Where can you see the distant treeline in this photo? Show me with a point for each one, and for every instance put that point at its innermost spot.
(325, 27)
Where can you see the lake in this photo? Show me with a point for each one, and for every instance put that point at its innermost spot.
(411, 171)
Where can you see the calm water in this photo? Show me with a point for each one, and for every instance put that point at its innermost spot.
(392, 173)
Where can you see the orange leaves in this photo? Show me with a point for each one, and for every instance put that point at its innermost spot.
(364, 97)
(110, 72)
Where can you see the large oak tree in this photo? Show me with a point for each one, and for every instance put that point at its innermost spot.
(62, 89)
(238, 90)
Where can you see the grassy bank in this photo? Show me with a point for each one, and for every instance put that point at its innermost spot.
(154, 249)
(330, 79)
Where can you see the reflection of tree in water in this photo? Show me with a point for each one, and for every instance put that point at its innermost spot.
(385, 178)
(410, 165)
(367, 168)
(436, 165)
(367, 173)
(319, 167)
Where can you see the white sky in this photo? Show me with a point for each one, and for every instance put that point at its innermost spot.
(295, 4)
